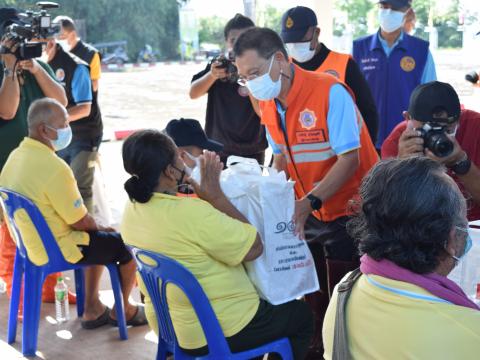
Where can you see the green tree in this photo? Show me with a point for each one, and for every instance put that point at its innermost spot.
(211, 30)
(357, 11)
(272, 18)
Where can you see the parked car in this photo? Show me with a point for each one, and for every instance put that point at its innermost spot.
(114, 52)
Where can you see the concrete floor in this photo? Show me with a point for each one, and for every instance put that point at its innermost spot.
(70, 341)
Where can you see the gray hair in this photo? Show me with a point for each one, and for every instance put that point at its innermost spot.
(407, 211)
(44, 111)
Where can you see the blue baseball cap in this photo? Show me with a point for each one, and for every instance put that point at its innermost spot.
(397, 4)
(296, 22)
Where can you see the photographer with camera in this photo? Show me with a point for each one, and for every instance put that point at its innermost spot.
(436, 127)
(23, 80)
(230, 118)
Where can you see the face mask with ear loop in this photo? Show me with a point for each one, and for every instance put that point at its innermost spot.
(301, 51)
(466, 249)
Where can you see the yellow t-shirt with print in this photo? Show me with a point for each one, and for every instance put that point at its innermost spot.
(211, 245)
(35, 171)
(385, 325)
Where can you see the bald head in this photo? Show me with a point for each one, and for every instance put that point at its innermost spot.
(46, 111)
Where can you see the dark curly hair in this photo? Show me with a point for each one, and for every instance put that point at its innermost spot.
(146, 154)
(406, 212)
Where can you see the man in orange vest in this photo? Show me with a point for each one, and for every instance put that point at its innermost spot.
(319, 139)
(300, 33)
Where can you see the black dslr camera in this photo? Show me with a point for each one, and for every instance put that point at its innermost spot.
(33, 25)
(227, 63)
(435, 138)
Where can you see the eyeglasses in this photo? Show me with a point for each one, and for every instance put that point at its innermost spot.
(242, 80)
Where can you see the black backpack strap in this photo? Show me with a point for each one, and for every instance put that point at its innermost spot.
(340, 339)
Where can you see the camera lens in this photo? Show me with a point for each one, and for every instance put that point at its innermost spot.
(438, 143)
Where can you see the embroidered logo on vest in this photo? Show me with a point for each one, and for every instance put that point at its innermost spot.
(289, 22)
(407, 63)
(307, 118)
(60, 74)
(332, 72)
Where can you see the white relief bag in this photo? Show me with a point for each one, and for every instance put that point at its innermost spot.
(285, 270)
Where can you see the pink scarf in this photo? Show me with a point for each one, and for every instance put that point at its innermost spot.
(435, 284)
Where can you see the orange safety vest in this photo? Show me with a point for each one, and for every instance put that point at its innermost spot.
(308, 151)
(335, 64)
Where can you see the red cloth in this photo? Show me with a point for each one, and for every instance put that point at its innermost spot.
(468, 135)
(7, 257)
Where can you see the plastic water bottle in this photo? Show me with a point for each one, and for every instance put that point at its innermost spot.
(61, 301)
(3, 286)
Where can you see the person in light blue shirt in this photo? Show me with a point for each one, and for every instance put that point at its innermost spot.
(393, 63)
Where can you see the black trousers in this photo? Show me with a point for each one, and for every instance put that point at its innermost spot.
(335, 254)
(105, 248)
(293, 320)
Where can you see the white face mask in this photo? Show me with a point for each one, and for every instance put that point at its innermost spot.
(301, 51)
(390, 20)
(263, 88)
(189, 170)
(64, 44)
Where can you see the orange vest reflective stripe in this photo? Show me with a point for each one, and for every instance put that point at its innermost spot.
(307, 148)
(335, 64)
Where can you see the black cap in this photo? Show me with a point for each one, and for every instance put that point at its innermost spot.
(296, 22)
(430, 98)
(8, 16)
(397, 4)
(189, 132)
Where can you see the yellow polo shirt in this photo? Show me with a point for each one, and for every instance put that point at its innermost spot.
(211, 245)
(384, 325)
(35, 171)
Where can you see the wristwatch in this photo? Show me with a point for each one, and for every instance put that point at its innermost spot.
(461, 167)
(7, 72)
(315, 202)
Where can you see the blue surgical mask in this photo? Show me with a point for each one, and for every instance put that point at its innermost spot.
(390, 20)
(64, 137)
(468, 244)
(263, 88)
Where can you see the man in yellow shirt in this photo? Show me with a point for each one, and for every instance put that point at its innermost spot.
(35, 171)
(212, 239)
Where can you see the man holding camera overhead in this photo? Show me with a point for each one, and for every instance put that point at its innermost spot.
(22, 82)
(436, 126)
(231, 118)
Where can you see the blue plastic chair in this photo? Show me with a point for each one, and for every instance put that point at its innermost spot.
(35, 275)
(165, 271)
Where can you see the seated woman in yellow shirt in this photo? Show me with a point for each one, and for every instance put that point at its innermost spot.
(412, 231)
(210, 237)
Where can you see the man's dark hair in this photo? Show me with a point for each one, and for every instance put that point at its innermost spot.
(66, 22)
(238, 22)
(146, 154)
(265, 41)
(407, 211)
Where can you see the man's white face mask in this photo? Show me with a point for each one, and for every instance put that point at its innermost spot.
(301, 51)
(63, 44)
